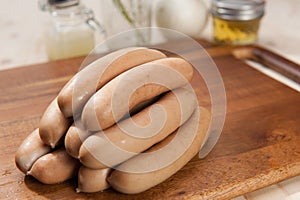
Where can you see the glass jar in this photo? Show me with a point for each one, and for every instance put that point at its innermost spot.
(73, 29)
(236, 22)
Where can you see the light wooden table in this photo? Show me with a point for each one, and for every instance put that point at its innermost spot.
(22, 25)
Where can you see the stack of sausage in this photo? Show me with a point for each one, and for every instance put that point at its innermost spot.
(116, 123)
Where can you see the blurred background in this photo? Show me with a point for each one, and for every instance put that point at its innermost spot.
(24, 26)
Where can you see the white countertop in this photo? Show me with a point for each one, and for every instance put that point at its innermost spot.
(21, 39)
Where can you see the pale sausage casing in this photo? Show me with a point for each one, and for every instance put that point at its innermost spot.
(134, 135)
(74, 138)
(92, 180)
(136, 175)
(86, 82)
(53, 125)
(54, 167)
(30, 150)
(130, 88)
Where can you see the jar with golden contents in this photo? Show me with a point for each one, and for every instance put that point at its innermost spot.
(236, 22)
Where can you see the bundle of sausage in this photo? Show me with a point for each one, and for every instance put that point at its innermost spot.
(127, 120)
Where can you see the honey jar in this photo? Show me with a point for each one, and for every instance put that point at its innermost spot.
(236, 22)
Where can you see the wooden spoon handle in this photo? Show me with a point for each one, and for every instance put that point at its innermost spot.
(270, 60)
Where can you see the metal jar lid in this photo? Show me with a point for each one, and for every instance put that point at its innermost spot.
(238, 9)
(63, 3)
(46, 5)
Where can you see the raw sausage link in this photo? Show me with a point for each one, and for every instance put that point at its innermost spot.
(73, 140)
(30, 150)
(84, 84)
(53, 125)
(92, 180)
(114, 145)
(131, 182)
(54, 167)
(112, 101)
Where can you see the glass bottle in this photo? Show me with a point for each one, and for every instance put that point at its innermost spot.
(73, 29)
(236, 22)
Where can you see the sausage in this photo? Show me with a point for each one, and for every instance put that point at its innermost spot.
(74, 138)
(92, 180)
(122, 141)
(76, 134)
(147, 170)
(54, 167)
(113, 100)
(84, 84)
(30, 150)
(141, 106)
(53, 125)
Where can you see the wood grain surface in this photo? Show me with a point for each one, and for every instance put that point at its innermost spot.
(259, 144)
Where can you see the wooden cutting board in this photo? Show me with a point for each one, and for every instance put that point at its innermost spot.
(259, 145)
